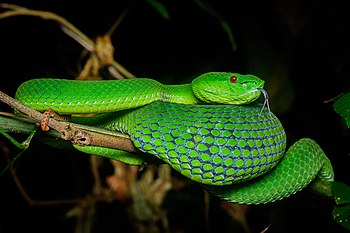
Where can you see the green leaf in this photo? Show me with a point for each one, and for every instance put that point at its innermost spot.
(160, 8)
(341, 193)
(229, 33)
(341, 215)
(341, 212)
(205, 6)
(342, 107)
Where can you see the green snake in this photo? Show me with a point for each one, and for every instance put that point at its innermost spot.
(212, 131)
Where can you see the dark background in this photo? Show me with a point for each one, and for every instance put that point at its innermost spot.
(300, 48)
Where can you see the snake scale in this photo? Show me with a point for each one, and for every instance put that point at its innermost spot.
(212, 131)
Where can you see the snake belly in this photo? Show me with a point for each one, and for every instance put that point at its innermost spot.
(210, 144)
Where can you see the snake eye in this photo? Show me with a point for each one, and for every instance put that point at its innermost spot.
(233, 79)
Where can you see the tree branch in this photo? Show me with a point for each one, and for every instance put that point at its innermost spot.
(76, 133)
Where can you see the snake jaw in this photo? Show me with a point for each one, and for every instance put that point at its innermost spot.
(228, 96)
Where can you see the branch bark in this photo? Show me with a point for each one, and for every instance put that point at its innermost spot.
(76, 133)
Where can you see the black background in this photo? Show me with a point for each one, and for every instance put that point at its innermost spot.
(301, 49)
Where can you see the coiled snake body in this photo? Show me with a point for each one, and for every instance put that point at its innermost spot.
(231, 146)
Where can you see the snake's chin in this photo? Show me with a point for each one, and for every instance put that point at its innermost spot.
(212, 96)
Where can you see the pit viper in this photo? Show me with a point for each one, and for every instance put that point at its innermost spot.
(213, 131)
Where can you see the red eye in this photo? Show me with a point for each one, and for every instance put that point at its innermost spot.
(233, 79)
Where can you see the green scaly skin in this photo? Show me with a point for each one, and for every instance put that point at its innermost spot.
(223, 147)
(73, 96)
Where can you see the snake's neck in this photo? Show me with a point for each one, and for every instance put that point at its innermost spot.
(180, 94)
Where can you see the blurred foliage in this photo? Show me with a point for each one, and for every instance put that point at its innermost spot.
(341, 191)
(204, 5)
(160, 8)
(342, 106)
(341, 212)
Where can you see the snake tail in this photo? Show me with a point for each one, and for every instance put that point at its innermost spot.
(119, 155)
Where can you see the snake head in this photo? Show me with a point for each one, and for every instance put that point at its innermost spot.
(227, 88)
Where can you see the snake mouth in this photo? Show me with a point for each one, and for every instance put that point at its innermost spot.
(226, 97)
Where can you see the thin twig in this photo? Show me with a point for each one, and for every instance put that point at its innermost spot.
(66, 26)
(116, 24)
(80, 37)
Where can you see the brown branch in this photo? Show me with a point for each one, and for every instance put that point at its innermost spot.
(76, 133)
